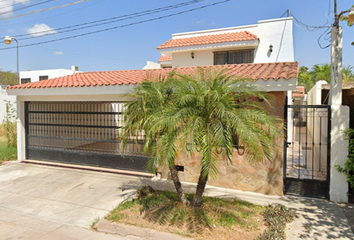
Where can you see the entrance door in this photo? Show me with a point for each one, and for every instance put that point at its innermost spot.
(307, 151)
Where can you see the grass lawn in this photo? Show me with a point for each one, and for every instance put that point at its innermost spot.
(6, 153)
(216, 219)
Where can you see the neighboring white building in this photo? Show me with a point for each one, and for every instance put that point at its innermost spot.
(32, 76)
(39, 75)
(265, 42)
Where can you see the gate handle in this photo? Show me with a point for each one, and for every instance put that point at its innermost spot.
(288, 144)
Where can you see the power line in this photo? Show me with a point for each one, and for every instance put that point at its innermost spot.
(11, 5)
(309, 27)
(28, 6)
(121, 26)
(52, 16)
(46, 9)
(109, 20)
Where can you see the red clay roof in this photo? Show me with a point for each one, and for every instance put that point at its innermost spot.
(255, 71)
(165, 58)
(299, 92)
(209, 39)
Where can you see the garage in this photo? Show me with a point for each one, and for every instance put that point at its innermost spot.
(76, 120)
(81, 133)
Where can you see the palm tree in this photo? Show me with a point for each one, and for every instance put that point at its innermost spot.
(202, 112)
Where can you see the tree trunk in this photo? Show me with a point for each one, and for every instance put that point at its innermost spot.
(197, 200)
(178, 186)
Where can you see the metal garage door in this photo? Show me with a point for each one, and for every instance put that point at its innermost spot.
(83, 133)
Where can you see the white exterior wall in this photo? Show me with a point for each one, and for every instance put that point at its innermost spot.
(152, 65)
(275, 32)
(3, 98)
(184, 59)
(314, 96)
(51, 73)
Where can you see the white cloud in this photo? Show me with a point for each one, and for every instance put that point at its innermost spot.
(200, 22)
(40, 30)
(58, 53)
(7, 6)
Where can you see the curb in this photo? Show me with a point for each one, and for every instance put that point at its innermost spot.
(134, 232)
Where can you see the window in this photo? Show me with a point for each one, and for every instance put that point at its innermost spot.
(233, 57)
(43, 78)
(25, 80)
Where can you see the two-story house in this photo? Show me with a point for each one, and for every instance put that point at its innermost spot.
(74, 120)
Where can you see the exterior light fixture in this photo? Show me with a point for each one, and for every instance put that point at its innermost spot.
(270, 48)
(192, 55)
(8, 41)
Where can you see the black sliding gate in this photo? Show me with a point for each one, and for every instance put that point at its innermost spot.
(83, 133)
(307, 150)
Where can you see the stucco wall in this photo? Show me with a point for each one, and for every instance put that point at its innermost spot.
(265, 177)
(275, 32)
(3, 99)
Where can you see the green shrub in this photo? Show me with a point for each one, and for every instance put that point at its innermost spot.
(9, 125)
(348, 169)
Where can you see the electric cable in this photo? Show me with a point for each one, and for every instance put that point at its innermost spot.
(27, 6)
(53, 16)
(121, 26)
(105, 21)
(45, 9)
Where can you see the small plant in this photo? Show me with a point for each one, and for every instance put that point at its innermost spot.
(144, 191)
(9, 125)
(348, 169)
(276, 217)
(94, 222)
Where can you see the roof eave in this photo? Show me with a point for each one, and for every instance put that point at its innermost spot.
(60, 91)
(278, 85)
(248, 43)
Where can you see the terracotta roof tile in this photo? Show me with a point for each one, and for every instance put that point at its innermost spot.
(209, 39)
(299, 92)
(165, 58)
(255, 71)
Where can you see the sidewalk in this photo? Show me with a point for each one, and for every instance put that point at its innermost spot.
(316, 219)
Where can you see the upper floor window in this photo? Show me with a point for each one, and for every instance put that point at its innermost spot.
(25, 80)
(233, 57)
(43, 78)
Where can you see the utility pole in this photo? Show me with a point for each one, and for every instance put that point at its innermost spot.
(336, 57)
(339, 114)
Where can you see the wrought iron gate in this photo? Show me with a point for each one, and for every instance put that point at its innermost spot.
(84, 133)
(307, 150)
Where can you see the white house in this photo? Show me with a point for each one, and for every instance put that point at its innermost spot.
(267, 41)
(74, 119)
(32, 76)
(39, 75)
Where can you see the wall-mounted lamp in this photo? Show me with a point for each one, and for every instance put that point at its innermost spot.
(192, 55)
(270, 48)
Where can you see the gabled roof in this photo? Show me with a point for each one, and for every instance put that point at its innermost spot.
(209, 39)
(165, 58)
(255, 71)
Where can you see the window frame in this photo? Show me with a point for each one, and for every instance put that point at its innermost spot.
(46, 77)
(233, 51)
(27, 80)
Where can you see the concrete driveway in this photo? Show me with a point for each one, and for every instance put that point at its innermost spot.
(41, 201)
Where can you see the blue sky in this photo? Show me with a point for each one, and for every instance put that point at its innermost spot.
(130, 47)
